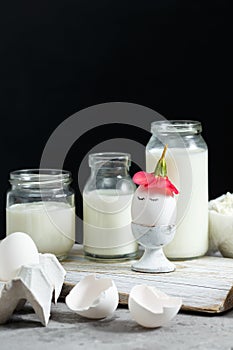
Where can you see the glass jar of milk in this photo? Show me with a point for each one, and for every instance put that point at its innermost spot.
(107, 198)
(187, 166)
(41, 203)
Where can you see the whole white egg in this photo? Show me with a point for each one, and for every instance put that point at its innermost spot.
(151, 207)
(16, 250)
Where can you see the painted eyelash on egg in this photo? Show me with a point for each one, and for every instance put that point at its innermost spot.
(153, 199)
(141, 198)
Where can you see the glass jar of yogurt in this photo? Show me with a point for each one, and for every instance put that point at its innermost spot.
(41, 203)
(187, 167)
(107, 198)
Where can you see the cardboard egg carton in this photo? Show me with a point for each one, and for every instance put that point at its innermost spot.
(36, 284)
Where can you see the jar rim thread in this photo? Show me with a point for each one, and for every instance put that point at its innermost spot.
(104, 159)
(176, 126)
(40, 176)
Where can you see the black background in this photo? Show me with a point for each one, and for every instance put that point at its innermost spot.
(58, 57)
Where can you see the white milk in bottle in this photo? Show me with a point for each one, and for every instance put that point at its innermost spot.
(107, 223)
(107, 198)
(187, 166)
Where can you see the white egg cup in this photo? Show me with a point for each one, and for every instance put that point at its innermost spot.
(153, 238)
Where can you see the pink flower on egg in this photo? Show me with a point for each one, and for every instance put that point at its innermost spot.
(150, 180)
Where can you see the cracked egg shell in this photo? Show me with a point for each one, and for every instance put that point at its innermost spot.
(153, 208)
(93, 298)
(152, 308)
(16, 250)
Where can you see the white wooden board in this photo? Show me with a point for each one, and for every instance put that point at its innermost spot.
(204, 284)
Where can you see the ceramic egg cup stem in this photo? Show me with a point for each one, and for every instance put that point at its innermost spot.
(153, 260)
(153, 238)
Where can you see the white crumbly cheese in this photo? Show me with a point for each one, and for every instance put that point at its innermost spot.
(223, 204)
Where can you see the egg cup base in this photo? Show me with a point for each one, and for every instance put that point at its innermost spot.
(153, 261)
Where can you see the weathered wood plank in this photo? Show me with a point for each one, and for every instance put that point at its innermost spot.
(205, 284)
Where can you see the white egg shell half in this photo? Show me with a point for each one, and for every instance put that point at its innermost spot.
(151, 208)
(152, 308)
(93, 298)
(16, 250)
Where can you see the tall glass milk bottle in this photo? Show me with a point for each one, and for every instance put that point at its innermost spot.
(187, 165)
(107, 198)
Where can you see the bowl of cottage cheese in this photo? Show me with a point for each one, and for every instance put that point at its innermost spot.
(221, 225)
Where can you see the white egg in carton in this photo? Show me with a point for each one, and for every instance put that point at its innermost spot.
(26, 275)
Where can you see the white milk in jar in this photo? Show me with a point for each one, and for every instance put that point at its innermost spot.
(41, 204)
(187, 166)
(51, 225)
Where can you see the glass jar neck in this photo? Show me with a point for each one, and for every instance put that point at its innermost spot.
(109, 172)
(40, 178)
(173, 127)
(110, 159)
(109, 163)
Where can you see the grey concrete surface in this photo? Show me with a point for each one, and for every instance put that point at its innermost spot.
(67, 330)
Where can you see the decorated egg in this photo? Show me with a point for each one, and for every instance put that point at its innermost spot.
(154, 203)
(153, 208)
